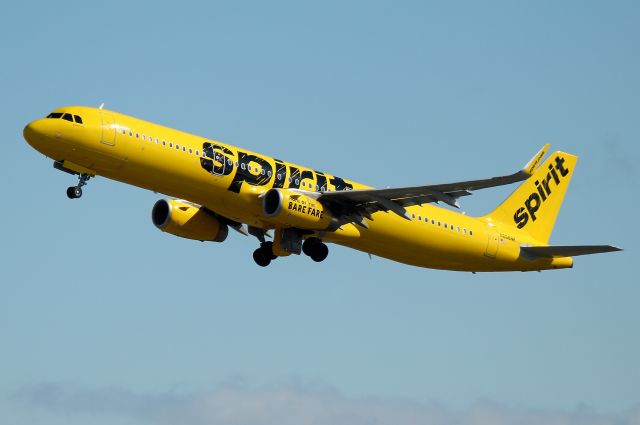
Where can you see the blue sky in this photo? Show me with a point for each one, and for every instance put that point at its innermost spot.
(104, 319)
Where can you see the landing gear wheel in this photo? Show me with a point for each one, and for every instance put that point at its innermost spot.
(260, 258)
(309, 244)
(319, 252)
(74, 192)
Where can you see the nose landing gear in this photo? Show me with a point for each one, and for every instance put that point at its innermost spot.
(74, 192)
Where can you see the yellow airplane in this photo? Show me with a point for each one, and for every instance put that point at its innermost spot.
(215, 186)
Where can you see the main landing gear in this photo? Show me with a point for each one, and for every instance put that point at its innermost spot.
(312, 247)
(316, 249)
(74, 192)
(263, 255)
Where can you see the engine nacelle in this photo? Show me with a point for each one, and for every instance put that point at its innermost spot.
(292, 209)
(187, 221)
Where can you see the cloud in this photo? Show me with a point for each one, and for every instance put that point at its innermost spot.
(290, 405)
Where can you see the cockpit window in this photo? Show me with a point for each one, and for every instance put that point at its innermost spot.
(77, 119)
(67, 117)
(55, 115)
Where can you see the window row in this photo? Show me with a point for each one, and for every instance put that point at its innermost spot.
(163, 142)
(445, 225)
(220, 159)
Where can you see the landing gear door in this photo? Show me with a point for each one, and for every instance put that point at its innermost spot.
(108, 136)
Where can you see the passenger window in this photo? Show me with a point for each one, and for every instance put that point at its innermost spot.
(170, 144)
(137, 136)
(67, 117)
(413, 216)
(130, 133)
(184, 149)
(190, 150)
(464, 231)
(77, 119)
(143, 138)
(470, 232)
(197, 153)
(177, 146)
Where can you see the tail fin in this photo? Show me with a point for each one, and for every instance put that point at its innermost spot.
(534, 206)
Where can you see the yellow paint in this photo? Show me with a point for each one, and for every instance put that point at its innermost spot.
(168, 161)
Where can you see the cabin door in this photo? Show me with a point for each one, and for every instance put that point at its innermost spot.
(108, 136)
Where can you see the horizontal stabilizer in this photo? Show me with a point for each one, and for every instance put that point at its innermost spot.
(565, 251)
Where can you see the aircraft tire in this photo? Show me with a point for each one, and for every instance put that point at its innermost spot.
(74, 192)
(320, 252)
(309, 245)
(260, 259)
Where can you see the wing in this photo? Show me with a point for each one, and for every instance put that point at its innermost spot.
(355, 205)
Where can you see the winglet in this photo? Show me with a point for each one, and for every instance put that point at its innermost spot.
(533, 163)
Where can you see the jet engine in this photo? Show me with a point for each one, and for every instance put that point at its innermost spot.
(293, 209)
(187, 220)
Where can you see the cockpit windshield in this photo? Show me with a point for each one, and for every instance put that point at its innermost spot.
(71, 118)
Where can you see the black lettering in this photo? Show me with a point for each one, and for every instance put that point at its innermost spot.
(560, 166)
(521, 218)
(244, 175)
(321, 180)
(552, 172)
(532, 204)
(545, 183)
(297, 176)
(281, 170)
(340, 184)
(218, 159)
(541, 191)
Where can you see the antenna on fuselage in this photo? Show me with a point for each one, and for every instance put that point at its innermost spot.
(101, 105)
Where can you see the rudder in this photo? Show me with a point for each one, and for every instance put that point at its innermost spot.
(534, 206)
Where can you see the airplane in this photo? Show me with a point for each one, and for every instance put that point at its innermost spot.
(212, 186)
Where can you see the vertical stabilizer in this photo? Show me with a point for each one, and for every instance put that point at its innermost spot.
(534, 206)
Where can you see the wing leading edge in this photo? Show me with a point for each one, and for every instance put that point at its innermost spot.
(355, 205)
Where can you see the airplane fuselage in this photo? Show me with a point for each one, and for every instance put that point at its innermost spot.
(229, 181)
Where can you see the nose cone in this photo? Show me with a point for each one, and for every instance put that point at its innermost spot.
(35, 132)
